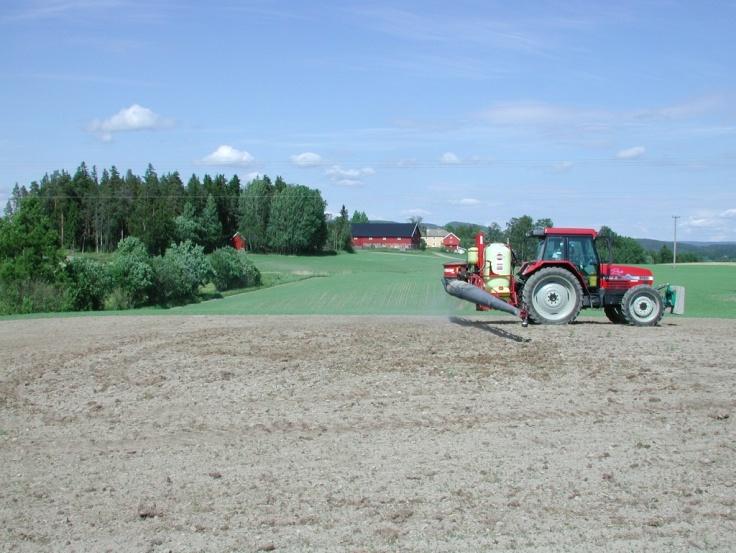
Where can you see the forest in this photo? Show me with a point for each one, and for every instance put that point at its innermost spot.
(163, 239)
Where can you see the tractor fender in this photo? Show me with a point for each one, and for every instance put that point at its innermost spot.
(535, 266)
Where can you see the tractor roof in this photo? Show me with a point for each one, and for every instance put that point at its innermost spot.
(575, 231)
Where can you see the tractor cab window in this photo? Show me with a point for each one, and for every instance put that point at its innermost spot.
(540, 250)
(554, 249)
(582, 253)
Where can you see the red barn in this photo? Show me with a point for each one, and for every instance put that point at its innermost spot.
(237, 241)
(451, 242)
(386, 235)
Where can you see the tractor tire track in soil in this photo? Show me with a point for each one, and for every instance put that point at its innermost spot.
(366, 434)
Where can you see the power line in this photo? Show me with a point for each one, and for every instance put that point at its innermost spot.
(674, 242)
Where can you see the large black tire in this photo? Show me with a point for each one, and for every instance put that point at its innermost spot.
(615, 314)
(642, 306)
(552, 296)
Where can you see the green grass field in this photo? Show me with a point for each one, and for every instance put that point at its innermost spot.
(408, 283)
(367, 282)
(710, 288)
(372, 282)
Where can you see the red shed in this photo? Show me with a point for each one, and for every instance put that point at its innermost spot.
(451, 242)
(237, 241)
(386, 235)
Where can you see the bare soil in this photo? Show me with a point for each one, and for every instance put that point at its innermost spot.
(158, 434)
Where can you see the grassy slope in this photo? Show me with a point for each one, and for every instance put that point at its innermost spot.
(386, 283)
(368, 282)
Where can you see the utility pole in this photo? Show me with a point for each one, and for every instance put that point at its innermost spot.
(674, 242)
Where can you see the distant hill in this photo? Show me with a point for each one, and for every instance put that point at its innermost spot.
(463, 224)
(708, 251)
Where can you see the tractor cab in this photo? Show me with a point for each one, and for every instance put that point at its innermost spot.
(572, 248)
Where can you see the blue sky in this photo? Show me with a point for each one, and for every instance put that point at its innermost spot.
(590, 113)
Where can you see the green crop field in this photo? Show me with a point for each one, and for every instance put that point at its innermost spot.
(367, 282)
(408, 283)
(710, 288)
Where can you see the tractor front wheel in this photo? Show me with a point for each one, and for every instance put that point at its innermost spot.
(615, 314)
(552, 296)
(642, 306)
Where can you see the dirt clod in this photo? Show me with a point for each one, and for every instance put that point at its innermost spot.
(148, 509)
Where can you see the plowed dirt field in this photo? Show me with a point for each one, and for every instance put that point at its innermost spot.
(366, 434)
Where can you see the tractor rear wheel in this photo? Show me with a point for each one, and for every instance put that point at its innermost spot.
(642, 306)
(552, 296)
(615, 314)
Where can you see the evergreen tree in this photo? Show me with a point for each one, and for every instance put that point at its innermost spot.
(28, 244)
(188, 226)
(279, 184)
(195, 193)
(85, 188)
(359, 217)
(231, 218)
(211, 226)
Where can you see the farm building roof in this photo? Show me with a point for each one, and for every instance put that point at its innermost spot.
(400, 230)
(436, 233)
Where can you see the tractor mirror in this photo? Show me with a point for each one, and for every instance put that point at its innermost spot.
(536, 233)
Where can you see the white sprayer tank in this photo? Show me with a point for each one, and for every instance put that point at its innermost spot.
(497, 270)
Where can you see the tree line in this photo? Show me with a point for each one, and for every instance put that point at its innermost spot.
(91, 211)
(168, 239)
(36, 275)
(623, 248)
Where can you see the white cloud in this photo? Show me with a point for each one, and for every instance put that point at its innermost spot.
(466, 202)
(133, 118)
(449, 158)
(306, 159)
(349, 178)
(336, 172)
(711, 224)
(227, 155)
(701, 222)
(418, 212)
(563, 166)
(631, 153)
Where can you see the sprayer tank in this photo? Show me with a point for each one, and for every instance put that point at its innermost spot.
(497, 269)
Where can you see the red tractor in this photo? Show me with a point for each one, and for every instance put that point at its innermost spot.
(567, 275)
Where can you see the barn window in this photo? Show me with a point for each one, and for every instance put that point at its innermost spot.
(384, 238)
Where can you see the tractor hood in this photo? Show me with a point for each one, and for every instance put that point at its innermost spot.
(628, 273)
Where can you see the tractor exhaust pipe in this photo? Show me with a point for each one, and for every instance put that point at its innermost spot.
(473, 294)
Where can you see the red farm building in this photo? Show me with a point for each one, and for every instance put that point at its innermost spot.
(237, 241)
(451, 242)
(437, 237)
(386, 235)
